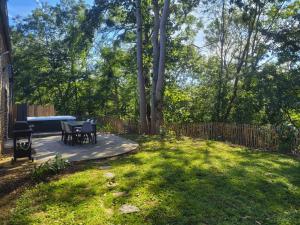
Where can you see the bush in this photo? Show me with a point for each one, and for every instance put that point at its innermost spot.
(51, 167)
(287, 136)
(107, 128)
(165, 132)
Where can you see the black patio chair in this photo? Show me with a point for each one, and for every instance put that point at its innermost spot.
(62, 125)
(70, 136)
(86, 132)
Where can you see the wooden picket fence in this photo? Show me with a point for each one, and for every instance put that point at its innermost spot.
(262, 137)
(118, 126)
(252, 136)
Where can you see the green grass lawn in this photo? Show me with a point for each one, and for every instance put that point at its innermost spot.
(172, 182)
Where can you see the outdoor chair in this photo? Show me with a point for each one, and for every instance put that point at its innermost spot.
(62, 124)
(69, 133)
(86, 132)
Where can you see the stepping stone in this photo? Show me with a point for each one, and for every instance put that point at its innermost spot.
(112, 184)
(129, 209)
(119, 194)
(109, 175)
(105, 167)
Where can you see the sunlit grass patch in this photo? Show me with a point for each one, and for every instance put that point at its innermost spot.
(172, 181)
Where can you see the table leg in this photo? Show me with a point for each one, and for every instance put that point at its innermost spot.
(15, 148)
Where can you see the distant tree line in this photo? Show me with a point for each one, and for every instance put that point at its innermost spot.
(137, 59)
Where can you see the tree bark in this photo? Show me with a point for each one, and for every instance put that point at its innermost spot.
(161, 65)
(140, 77)
(155, 62)
(219, 101)
(242, 61)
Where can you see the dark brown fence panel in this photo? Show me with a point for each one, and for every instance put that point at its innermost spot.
(22, 111)
(41, 110)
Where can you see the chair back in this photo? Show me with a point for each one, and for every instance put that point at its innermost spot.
(67, 128)
(62, 125)
(87, 127)
(93, 121)
(21, 125)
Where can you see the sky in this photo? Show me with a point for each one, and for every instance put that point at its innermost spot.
(24, 7)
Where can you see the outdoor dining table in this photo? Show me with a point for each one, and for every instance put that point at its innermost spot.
(75, 124)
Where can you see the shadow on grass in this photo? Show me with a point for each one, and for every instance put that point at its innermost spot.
(243, 194)
(241, 191)
(212, 197)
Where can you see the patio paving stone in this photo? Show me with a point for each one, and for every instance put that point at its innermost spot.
(108, 145)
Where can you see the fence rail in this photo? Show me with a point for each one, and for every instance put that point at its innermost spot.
(252, 136)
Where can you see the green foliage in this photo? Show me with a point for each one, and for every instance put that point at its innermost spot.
(295, 117)
(178, 107)
(50, 167)
(83, 60)
(287, 137)
(107, 128)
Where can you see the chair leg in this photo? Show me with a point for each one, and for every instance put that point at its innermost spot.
(65, 138)
(81, 138)
(69, 139)
(73, 138)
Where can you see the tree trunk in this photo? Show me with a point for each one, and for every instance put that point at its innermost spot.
(161, 66)
(219, 101)
(155, 61)
(140, 78)
(241, 63)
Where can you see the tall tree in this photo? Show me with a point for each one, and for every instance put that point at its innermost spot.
(141, 79)
(155, 64)
(159, 59)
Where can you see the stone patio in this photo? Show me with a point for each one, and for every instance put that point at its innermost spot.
(108, 145)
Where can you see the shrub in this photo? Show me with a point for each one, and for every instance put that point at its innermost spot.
(165, 132)
(107, 128)
(51, 167)
(287, 136)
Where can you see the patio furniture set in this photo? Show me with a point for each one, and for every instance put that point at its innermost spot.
(78, 132)
(72, 132)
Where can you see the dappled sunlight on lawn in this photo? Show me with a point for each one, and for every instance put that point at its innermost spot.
(172, 181)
